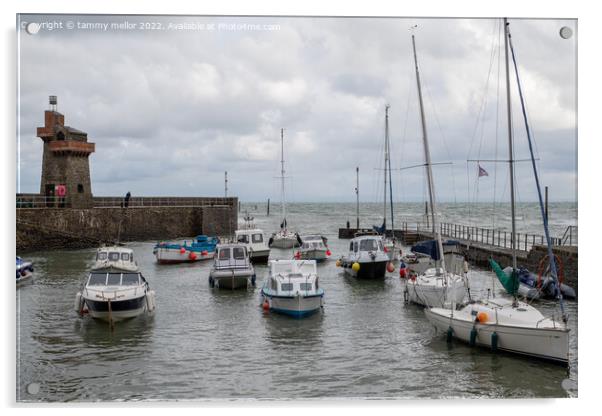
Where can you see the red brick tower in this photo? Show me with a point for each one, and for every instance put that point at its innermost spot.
(65, 164)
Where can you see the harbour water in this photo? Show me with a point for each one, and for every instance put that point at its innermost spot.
(203, 343)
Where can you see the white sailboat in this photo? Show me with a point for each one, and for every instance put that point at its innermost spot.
(435, 287)
(508, 324)
(283, 238)
(391, 245)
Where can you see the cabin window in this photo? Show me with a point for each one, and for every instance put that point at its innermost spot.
(114, 256)
(114, 279)
(97, 279)
(101, 256)
(224, 254)
(243, 238)
(287, 287)
(125, 256)
(129, 279)
(317, 284)
(258, 238)
(351, 246)
(239, 253)
(274, 284)
(380, 245)
(305, 286)
(355, 246)
(368, 245)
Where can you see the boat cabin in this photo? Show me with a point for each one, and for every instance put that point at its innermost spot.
(292, 276)
(232, 256)
(114, 279)
(115, 257)
(249, 236)
(367, 244)
(312, 242)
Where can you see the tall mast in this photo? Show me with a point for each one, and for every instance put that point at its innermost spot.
(386, 161)
(390, 180)
(510, 147)
(427, 157)
(282, 177)
(357, 197)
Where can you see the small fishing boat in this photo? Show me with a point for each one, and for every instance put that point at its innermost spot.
(292, 288)
(254, 240)
(232, 268)
(366, 258)
(313, 247)
(115, 289)
(24, 271)
(201, 248)
(533, 287)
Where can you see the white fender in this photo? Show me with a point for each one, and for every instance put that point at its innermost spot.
(78, 302)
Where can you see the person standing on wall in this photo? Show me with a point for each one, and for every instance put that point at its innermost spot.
(127, 199)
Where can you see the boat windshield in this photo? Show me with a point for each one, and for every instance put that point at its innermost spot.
(286, 287)
(239, 253)
(305, 286)
(243, 238)
(368, 245)
(125, 256)
(129, 279)
(101, 256)
(224, 254)
(114, 256)
(97, 279)
(257, 238)
(114, 279)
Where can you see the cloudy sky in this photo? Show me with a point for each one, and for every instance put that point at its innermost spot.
(175, 104)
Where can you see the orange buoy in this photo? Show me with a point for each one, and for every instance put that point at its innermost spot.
(403, 272)
(192, 256)
(390, 267)
(482, 317)
(266, 305)
(182, 250)
(386, 249)
(328, 253)
(204, 252)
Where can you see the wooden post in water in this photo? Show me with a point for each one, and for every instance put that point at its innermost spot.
(268, 207)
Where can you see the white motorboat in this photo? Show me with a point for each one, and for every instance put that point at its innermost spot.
(435, 287)
(232, 268)
(292, 288)
(201, 248)
(284, 238)
(115, 289)
(501, 324)
(508, 324)
(366, 258)
(24, 271)
(313, 247)
(254, 239)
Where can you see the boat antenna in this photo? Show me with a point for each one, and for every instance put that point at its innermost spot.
(282, 177)
(552, 260)
(429, 170)
(357, 197)
(510, 160)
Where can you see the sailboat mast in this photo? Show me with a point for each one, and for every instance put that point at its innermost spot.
(357, 197)
(390, 181)
(427, 157)
(282, 176)
(510, 147)
(386, 161)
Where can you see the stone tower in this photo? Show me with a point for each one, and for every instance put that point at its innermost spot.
(65, 166)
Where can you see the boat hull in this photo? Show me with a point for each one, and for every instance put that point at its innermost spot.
(231, 279)
(259, 257)
(368, 270)
(285, 242)
(544, 343)
(313, 254)
(173, 256)
(120, 310)
(295, 306)
(25, 277)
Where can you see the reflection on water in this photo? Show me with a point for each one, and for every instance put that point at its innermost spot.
(209, 343)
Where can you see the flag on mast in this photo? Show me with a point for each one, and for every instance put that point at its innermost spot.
(482, 172)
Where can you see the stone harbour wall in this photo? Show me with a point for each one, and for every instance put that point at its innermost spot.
(56, 228)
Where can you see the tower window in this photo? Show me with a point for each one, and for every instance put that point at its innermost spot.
(80, 188)
(60, 136)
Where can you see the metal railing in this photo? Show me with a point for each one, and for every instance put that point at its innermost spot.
(486, 236)
(41, 201)
(570, 236)
(112, 201)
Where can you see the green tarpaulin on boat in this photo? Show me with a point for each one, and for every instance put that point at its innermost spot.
(508, 280)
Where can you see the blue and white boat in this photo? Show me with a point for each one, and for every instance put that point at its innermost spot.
(24, 271)
(202, 248)
(292, 288)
